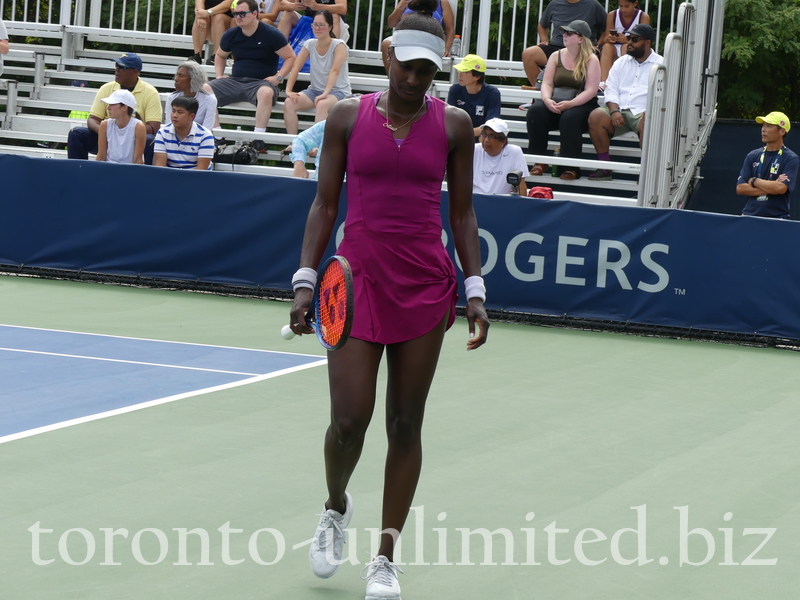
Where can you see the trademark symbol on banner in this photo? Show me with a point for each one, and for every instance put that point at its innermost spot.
(680, 291)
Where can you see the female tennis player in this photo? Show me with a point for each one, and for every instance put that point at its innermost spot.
(395, 147)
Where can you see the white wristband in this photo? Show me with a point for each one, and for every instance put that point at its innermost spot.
(305, 277)
(474, 288)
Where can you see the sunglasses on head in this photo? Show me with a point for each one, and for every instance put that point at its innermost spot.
(242, 14)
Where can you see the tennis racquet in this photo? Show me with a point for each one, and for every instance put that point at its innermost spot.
(331, 312)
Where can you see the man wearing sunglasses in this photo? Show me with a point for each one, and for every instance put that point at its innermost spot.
(256, 48)
(82, 141)
(625, 94)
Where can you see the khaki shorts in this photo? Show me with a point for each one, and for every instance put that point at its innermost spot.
(631, 121)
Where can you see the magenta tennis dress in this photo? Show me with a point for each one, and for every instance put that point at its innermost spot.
(404, 280)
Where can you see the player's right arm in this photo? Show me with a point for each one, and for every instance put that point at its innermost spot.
(325, 208)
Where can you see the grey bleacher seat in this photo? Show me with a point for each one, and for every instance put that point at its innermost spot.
(75, 61)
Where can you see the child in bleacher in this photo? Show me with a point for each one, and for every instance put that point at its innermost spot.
(122, 136)
(614, 42)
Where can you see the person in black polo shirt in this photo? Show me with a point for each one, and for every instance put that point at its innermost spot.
(768, 174)
(256, 48)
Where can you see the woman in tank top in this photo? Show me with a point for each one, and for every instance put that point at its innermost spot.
(394, 147)
(330, 81)
(613, 43)
(569, 94)
(121, 137)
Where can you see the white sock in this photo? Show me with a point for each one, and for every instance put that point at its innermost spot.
(260, 130)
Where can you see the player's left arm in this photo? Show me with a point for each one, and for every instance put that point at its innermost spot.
(463, 222)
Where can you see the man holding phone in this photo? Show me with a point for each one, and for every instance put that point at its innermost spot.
(256, 47)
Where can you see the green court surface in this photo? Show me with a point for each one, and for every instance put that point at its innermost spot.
(545, 437)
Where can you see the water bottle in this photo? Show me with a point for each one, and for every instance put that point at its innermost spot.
(238, 143)
(455, 49)
(554, 168)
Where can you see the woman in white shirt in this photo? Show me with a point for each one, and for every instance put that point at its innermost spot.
(121, 137)
(494, 159)
(330, 81)
(189, 81)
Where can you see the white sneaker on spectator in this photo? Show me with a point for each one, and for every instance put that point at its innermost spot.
(381, 579)
(327, 547)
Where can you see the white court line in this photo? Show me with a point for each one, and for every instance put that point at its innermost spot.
(119, 360)
(127, 337)
(127, 409)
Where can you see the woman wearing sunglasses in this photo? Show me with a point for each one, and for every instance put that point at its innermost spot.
(569, 95)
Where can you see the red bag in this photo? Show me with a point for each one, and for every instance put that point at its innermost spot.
(541, 192)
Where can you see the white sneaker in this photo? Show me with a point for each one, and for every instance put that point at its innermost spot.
(327, 547)
(381, 579)
(525, 106)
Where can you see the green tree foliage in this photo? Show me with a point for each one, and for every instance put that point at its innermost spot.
(760, 63)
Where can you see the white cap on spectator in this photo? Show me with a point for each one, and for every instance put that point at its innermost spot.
(121, 97)
(497, 125)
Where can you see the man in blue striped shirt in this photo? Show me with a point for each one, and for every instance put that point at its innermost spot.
(184, 144)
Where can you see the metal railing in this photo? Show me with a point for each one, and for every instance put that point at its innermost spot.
(516, 20)
(681, 105)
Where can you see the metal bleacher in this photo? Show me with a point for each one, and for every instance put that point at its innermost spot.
(46, 57)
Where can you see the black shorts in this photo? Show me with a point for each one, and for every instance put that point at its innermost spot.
(213, 3)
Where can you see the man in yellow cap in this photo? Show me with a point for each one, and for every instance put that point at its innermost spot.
(473, 94)
(768, 174)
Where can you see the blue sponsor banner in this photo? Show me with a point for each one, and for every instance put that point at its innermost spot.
(648, 266)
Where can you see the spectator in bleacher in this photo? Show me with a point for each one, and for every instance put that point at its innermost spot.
(189, 81)
(473, 94)
(625, 94)
(307, 143)
(270, 11)
(121, 137)
(330, 81)
(569, 95)
(212, 18)
(83, 140)
(256, 47)
(768, 174)
(297, 27)
(614, 44)
(558, 13)
(443, 14)
(4, 48)
(494, 159)
(184, 143)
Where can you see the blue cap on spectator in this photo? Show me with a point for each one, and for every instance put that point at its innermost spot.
(129, 60)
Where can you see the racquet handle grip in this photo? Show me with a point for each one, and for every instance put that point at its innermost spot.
(287, 333)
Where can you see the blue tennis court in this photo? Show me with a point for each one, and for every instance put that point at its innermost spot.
(52, 378)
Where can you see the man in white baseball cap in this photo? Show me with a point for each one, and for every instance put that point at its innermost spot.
(494, 159)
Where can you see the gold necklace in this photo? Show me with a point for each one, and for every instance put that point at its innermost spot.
(388, 123)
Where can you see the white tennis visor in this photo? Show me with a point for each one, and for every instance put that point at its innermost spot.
(410, 44)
